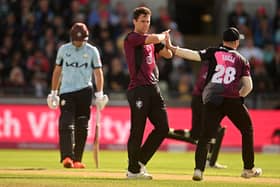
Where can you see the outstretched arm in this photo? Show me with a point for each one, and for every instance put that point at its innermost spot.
(156, 38)
(183, 52)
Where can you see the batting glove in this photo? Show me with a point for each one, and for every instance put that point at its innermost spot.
(53, 99)
(101, 100)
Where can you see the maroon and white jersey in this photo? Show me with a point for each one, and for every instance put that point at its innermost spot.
(141, 60)
(225, 70)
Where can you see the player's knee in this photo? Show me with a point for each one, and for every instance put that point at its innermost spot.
(162, 130)
(212, 141)
(66, 121)
(82, 123)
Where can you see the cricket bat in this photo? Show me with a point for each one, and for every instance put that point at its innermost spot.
(96, 138)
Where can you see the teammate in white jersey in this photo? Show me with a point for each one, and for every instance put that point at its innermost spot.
(72, 90)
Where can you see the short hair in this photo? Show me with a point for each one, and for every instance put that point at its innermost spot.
(232, 34)
(141, 10)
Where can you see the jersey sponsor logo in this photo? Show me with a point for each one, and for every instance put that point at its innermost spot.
(76, 65)
(68, 54)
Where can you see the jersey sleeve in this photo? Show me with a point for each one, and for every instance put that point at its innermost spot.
(59, 57)
(135, 39)
(96, 60)
(246, 69)
(206, 54)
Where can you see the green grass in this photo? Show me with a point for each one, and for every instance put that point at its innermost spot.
(42, 168)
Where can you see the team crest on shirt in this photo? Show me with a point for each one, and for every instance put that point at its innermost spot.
(139, 103)
(149, 59)
(85, 55)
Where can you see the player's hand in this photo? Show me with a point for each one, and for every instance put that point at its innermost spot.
(53, 99)
(101, 101)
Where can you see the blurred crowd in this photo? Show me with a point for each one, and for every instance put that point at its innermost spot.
(261, 45)
(32, 30)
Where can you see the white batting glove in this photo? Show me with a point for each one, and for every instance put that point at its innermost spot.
(101, 100)
(53, 99)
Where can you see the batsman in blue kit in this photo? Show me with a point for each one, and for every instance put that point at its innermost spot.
(72, 89)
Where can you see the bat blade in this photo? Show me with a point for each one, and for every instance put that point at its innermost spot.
(96, 139)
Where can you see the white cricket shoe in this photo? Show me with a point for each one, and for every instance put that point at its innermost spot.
(254, 172)
(197, 175)
(216, 165)
(143, 168)
(140, 175)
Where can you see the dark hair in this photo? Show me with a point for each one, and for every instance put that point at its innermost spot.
(141, 10)
(232, 34)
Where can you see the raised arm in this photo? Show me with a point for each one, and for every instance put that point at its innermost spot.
(156, 38)
(183, 52)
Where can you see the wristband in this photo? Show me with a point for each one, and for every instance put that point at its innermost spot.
(98, 94)
(54, 92)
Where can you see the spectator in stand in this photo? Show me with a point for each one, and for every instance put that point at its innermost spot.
(277, 69)
(276, 27)
(162, 23)
(59, 29)
(38, 62)
(16, 78)
(269, 59)
(249, 50)
(118, 13)
(104, 29)
(240, 19)
(117, 78)
(262, 28)
(43, 15)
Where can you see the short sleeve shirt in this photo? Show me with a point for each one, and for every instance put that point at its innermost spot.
(141, 60)
(225, 70)
(77, 66)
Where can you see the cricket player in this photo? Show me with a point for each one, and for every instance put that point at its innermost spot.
(222, 96)
(192, 135)
(144, 96)
(72, 90)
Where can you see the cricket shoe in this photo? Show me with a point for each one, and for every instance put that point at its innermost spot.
(79, 165)
(215, 166)
(68, 162)
(143, 168)
(140, 175)
(254, 172)
(197, 175)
